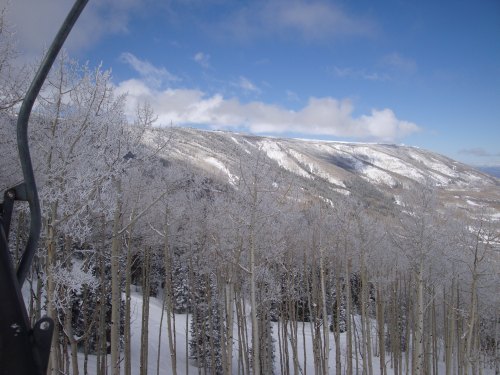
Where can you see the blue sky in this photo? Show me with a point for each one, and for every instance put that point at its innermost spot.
(423, 73)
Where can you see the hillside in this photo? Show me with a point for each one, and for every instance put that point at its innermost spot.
(379, 170)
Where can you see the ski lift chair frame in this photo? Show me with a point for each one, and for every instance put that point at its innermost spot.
(25, 350)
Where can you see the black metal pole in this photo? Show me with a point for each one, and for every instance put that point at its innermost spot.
(25, 350)
(22, 138)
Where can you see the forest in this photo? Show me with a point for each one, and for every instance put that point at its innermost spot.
(384, 288)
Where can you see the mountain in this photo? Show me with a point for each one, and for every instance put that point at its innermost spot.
(374, 171)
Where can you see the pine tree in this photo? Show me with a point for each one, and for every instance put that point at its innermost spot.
(205, 343)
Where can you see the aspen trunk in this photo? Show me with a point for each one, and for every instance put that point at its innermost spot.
(115, 286)
(408, 334)
(435, 351)
(471, 321)
(101, 364)
(381, 332)
(253, 297)
(242, 337)
(128, 281)
(128, 320)
(356, 343)
(229, 298)
(336, 332)
(160, 329)
(448, 329)
(167, 258)
(365, 321)
(497, 347)
(146, 271)
(419, 322)
(326, 326)
(55, 353)
(253, 302)
(348, 317)
(280, 344)
(73, 343)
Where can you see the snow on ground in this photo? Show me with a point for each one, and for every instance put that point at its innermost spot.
(313, 168)
(439, 172)
(472, 203)
(433, 164)
(273, 151)
(378, 175)
(154, 329)
(239, 144)
(186, 366)
(233, 179)
(473, 177)
(383, 161)
(235, 140)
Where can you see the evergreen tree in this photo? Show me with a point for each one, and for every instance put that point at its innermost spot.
(205, 343)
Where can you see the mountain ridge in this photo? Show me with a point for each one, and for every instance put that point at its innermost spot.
(338, 166)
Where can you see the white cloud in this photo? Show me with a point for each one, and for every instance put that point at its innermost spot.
(400, 63)
(203, 59)
(153, 75)
(248, 85)
(321, 116)
(359, 74)
(317, 19)
(36, 22)
(313, 19)
(383, 124)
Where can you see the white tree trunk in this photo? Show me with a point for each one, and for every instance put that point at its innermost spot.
(115, 286)
(419, 322)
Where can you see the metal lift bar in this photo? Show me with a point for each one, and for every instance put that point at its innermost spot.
(25, 350)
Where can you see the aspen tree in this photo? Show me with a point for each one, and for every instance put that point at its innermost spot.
(338, 306)
(348, 316)
(115, 282)
(381, 331)
(128, 281)
(167, 256)
(146, 281)
(261, 191)
(13, 76)
(418, 238)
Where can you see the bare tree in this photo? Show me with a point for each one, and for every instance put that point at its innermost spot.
(418, 236)
(13, 76)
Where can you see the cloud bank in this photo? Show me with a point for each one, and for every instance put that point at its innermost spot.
(312, 20)
(319, 117)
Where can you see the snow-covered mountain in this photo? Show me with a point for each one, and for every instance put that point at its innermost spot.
(379, 170)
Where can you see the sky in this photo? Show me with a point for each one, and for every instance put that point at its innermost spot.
(425, 74)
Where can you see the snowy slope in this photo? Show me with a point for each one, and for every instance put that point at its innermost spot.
(336, 167)
(321, 158)
(186, 366)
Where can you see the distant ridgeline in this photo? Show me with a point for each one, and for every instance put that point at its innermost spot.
(491, 170)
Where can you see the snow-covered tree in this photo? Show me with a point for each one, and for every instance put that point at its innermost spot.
(419, 238)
